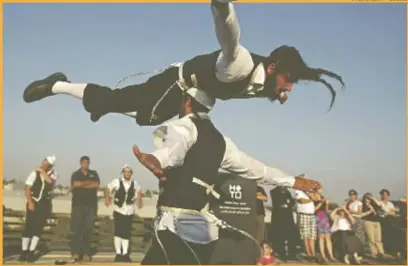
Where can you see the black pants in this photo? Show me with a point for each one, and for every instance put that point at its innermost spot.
(177, 251)
(155, 101)
(82, 223)
(346, 242)
(123, 225)
(36, 220)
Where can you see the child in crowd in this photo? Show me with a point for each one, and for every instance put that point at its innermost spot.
(267, 257)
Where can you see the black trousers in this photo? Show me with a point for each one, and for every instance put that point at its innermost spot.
(346, 242)
(123, 225)
(82, 223)
(178, 252)
(36, 220)
(155, 101)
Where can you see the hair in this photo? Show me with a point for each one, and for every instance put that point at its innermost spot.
(385, 191)
(266, 243)
(352, 191)
(84, 158)
(288, 60)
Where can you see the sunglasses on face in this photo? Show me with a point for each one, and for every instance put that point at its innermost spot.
(127, 172)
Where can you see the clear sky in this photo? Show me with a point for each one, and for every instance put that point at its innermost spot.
(359, 144)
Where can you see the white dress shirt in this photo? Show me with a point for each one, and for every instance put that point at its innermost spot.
(114, 185)
(354, 206)
(173, 140)
(387, 206)
(305, 208)
(234, 62)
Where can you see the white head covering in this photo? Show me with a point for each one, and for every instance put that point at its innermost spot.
(201, 97)
(51, 159)
(126, 166)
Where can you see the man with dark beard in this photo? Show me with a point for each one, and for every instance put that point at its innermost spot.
(229, 73)
(284, 233)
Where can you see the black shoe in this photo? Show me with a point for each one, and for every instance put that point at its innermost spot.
(23, 256)
(118, 258)
(30, 256)
(42, 88)
(126, 258)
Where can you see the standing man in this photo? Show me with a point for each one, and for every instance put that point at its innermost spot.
(261, 197)
(84, 184)
(189, 152)
(231, 72)
(38, 186)
(126, 191)
(284, 234)
(307, 222)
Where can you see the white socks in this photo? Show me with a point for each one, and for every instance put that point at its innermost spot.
(118, 245)
(125, 246)
(25, 241)
(76, 90)
(34, 242)
(121, 245)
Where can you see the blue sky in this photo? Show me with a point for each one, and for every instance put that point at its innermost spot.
(359, 144)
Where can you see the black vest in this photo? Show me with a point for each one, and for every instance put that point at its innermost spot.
(203, 67)
(40, 189)
(122, 196)
(202, 162)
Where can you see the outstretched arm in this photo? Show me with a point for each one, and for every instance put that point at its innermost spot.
(226, 27)
(235, 62)
(172, 148)
(239, 163)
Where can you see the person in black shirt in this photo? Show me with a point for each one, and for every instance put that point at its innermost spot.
(283, 234)
(261, 197)
(85, 184)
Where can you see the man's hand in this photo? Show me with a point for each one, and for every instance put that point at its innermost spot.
(107, 201)
(30, 206)
(77, 184)
(148, 161)
(305, 184)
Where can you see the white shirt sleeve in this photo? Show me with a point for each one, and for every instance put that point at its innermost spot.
(53, 175)
(113, 185)
(178, 139)
(237, 162)
(31, 178)
(300, 195)
(235, 62)
(137, 187)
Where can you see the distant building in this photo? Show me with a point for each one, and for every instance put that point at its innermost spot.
(9, 185)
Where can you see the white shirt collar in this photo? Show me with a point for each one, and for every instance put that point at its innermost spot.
(259, 75)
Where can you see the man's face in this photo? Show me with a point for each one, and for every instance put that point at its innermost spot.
(85, 164)
(384, 196)
(45, 165)
(278, 85)
(352, 196)
(127, 173)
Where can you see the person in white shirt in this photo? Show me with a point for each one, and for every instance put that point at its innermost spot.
(305, 209)
(126, 191)
(355, 207)
(347, 245)
(39, 184)
(189, 152)
(229, 73)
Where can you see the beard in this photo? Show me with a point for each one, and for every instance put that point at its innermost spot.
(270, 88)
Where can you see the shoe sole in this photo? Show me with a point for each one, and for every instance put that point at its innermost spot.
(38, 89)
